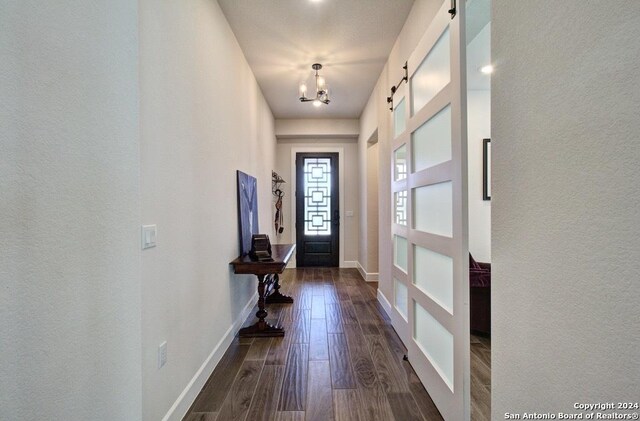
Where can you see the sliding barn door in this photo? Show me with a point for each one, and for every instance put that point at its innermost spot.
(429, 194)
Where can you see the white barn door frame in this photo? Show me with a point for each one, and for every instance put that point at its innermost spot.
(430, 263)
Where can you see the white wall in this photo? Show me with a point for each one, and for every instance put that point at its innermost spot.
(350, 224)
(372, 209)
(70, 211)
(368, 174)
(565, 107)
(368, 126)
(478, 128)
(317, 128)
(202, 118)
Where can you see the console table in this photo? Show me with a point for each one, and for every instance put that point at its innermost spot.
(268, 280)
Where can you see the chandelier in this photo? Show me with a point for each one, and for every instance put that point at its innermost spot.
(322, 91)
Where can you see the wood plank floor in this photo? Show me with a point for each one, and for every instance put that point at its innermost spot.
(480, 378)
(339, 360)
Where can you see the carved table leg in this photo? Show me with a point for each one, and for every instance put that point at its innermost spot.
(276, 296)
(261, 327)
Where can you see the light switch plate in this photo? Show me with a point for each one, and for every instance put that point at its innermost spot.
(349, 213)
(149, 234)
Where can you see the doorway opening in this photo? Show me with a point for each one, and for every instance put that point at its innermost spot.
(317, 209)
(479, 69)
(369, 252)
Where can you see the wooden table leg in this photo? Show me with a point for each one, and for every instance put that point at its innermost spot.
(276, 296)
(261, 328)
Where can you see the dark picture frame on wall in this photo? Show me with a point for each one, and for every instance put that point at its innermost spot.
(486, 169)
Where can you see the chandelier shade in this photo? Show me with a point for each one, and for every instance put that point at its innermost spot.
(322, 90)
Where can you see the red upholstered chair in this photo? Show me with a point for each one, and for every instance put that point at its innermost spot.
(480, 296)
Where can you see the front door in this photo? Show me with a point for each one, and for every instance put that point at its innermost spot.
(317, 209)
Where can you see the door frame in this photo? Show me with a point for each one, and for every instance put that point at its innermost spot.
(452, 397)
(319, 149)
(333, 258)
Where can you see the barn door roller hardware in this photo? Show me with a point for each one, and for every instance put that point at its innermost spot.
(452, 11)
(394, 88)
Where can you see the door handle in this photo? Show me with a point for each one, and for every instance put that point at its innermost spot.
(336, 217)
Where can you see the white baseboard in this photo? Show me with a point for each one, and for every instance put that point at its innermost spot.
(180, 407)
(345, 264)
(367, 276)
(384, 302)
(349, 264)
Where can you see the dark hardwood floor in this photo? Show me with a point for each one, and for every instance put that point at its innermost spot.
(340, 360)
(480, 378)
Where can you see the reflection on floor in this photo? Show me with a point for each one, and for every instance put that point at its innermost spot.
(340, 360)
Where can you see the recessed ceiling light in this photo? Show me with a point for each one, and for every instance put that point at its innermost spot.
(487, 70)
(315, 1)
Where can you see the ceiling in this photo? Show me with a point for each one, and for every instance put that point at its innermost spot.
(281, 39)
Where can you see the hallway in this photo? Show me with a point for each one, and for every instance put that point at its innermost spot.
(339, 354)
(340, 359)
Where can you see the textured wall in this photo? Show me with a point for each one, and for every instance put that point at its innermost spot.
(565, 107)
(69, 207)
(202, 118)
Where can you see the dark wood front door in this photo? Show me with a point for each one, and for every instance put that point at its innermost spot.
(317, 209)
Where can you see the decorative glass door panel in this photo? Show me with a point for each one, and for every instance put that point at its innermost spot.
(317, 195)
(400, 163)
(400, 252)
(432, 141)
(401, 214)
(433, 274)
(433, 205)
(401, 300)
(433, 74)
(435, 342)
(317, 210)
(400, 203)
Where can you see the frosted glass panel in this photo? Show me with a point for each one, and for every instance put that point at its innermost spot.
(400, 207)
(401, 300)
(433, 74)
(433, 209)
(434, 275)
(400, 252)
(432, 141)
(317, 196)
(436, 342)
(400, 163)
(399, 121)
